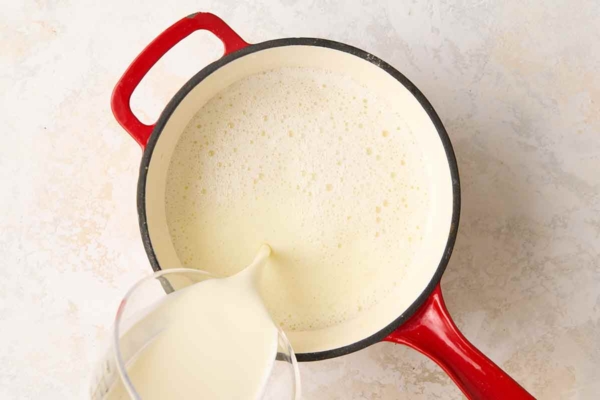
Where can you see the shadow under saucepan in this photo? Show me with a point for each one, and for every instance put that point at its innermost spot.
(496, 285)
(488, 273)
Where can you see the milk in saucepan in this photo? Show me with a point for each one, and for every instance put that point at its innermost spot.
(317, 166)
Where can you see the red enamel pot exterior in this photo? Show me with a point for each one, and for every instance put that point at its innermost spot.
(132, 77)
(432, 332)
(427, 326)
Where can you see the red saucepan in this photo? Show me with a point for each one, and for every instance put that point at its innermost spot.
(419, 319)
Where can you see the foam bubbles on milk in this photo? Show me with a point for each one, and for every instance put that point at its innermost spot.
(317, 166)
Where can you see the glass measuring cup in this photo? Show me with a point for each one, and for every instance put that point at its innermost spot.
(140, 320)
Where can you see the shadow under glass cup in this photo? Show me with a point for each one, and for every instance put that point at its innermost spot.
(141, 319)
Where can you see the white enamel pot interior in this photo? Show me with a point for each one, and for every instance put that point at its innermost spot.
(284, 54)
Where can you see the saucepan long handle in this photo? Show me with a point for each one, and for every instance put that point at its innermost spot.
(152, 53)
(432, 332)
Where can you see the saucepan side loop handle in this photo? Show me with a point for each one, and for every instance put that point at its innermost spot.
(121, 96)
(432, 332)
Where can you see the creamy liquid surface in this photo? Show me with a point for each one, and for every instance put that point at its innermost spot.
(218, 342)
(317, 166)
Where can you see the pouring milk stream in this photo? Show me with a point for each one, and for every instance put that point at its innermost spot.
(219, 343)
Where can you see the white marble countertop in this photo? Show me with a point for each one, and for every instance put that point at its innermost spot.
(517, 84)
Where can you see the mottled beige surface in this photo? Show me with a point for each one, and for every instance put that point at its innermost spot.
(517, 84)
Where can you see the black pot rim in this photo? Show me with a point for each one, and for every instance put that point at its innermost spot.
(202, 74)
